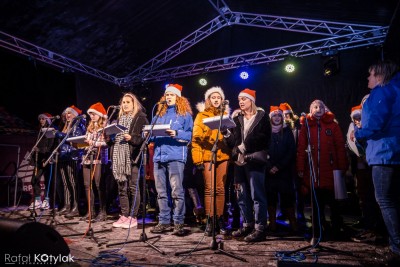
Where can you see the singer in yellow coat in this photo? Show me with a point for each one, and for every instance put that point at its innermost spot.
(202, 143)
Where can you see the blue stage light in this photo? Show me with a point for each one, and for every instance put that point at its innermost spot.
(244, 75)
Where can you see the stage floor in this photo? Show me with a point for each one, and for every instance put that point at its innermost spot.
(88, 252)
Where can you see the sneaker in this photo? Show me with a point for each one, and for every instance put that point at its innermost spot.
(160, 228)
(365, 237)
(35, 204)
(179, 230)
(255, 236)
(45, 205)
(129, 223)
(120, 221)
(241, 232)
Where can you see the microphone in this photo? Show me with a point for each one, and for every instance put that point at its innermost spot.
(116, 107)
(303, 114)
(162, 102)
(225, 102)
(57, 117)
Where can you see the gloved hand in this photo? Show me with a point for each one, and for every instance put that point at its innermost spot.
(200, 167)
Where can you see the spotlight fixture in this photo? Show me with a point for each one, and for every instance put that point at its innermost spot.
(330, 62)
(290, 68)
(202, 81)
(244, 75)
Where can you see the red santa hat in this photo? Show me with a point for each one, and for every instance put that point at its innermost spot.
(73, 110)
(98, 109)
(275, 110)
(46, 116)
(355, 111)
(286, 108)
(174, 88)
(215, 89)
(250, 94)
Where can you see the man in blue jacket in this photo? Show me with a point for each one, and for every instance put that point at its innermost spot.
(170, 153)
(380, 127)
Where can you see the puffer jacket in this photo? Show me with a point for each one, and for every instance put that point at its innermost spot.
(204, 138)
(68, 150)
(327, 147)
(380, 120)
(168, 148)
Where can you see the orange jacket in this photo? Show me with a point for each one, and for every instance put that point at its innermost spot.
(204, 138)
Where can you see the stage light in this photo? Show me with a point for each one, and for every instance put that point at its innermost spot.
(203, 81)
(244, 75)
(331, 65)
(290, 68)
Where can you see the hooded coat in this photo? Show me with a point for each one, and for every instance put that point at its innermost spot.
(204, 138)
(327, 147)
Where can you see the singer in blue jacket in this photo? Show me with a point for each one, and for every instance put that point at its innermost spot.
(170, 153)
(380, 127)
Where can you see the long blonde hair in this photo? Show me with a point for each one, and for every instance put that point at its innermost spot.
(96, 126)
(137, 106)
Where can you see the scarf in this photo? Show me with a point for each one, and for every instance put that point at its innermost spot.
(121, 161)
(276, 128)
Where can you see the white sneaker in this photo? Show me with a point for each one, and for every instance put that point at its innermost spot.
(130, 223)
(35, 204)
(120, 221)
(45, 205)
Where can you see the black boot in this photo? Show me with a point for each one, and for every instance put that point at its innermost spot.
(221, 224)
(101, 217)
(198, 209)
(73, 213)
(65, 209)
(209, 227)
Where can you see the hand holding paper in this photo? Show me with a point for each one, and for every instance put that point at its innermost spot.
(171, 133)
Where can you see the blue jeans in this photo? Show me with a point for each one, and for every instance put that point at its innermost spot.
(252, 198)
(174, 171)
(387, 193)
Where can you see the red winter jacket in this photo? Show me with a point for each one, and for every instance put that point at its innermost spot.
(331, 144)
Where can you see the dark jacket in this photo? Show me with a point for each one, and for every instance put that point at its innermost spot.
(282, 151)
(258, 136)
(68, 151)
(135, 131)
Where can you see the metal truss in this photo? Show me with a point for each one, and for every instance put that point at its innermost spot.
(366, 38)
(49, 57)
(342, 36)
(319, 27)
(176, 49)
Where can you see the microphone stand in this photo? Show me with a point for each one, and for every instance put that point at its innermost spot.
(143, 151)
(54, 156)
(33, 214)
(40, 137)
(315, 213)
(89, 154)
(216, 246)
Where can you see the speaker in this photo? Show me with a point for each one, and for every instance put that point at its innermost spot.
(22, 237)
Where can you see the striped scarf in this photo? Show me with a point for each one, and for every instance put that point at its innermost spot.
(121, 162)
